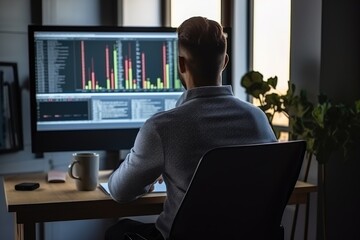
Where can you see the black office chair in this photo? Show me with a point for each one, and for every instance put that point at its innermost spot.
(240, 192)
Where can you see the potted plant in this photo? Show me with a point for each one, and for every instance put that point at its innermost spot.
(326, 127)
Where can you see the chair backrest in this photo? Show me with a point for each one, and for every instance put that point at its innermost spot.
(240, 192)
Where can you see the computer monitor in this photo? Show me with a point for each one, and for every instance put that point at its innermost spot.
(92, 87)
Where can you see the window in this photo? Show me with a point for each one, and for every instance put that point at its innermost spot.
(140, 13)
(184, 9)
(271, 44)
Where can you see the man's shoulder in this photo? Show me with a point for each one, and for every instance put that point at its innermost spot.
(164, 116)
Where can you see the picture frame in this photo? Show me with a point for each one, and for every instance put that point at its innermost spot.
(11, 132)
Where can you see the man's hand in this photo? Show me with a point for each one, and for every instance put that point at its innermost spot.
(159, 180)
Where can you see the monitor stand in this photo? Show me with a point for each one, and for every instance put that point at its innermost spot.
(114, 158)
(111, 159)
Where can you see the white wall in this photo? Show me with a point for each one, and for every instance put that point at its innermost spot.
(240, 46)
(70, 12)
(15, 15)
(140, 13)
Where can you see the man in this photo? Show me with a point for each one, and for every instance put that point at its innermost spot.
(171, 143)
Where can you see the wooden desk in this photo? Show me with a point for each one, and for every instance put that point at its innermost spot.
(61, 202)
(301, 193)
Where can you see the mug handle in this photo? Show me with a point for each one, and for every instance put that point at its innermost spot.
(70, 170)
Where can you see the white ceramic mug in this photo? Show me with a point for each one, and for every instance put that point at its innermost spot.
(85, 170)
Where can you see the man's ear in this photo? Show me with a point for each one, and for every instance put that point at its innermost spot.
(226, 60)
(182, 68)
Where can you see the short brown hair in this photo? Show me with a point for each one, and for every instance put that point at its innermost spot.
(205, 41)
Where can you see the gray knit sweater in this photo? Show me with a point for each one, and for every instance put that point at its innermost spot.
(171, 143)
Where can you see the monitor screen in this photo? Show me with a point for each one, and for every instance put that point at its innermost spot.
(92, 87)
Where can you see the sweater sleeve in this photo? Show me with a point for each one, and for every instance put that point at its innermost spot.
(141, 167)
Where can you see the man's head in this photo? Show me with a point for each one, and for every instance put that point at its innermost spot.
(202, 52)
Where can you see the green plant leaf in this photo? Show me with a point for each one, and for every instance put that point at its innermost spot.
(326, 127)
(272, 81)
